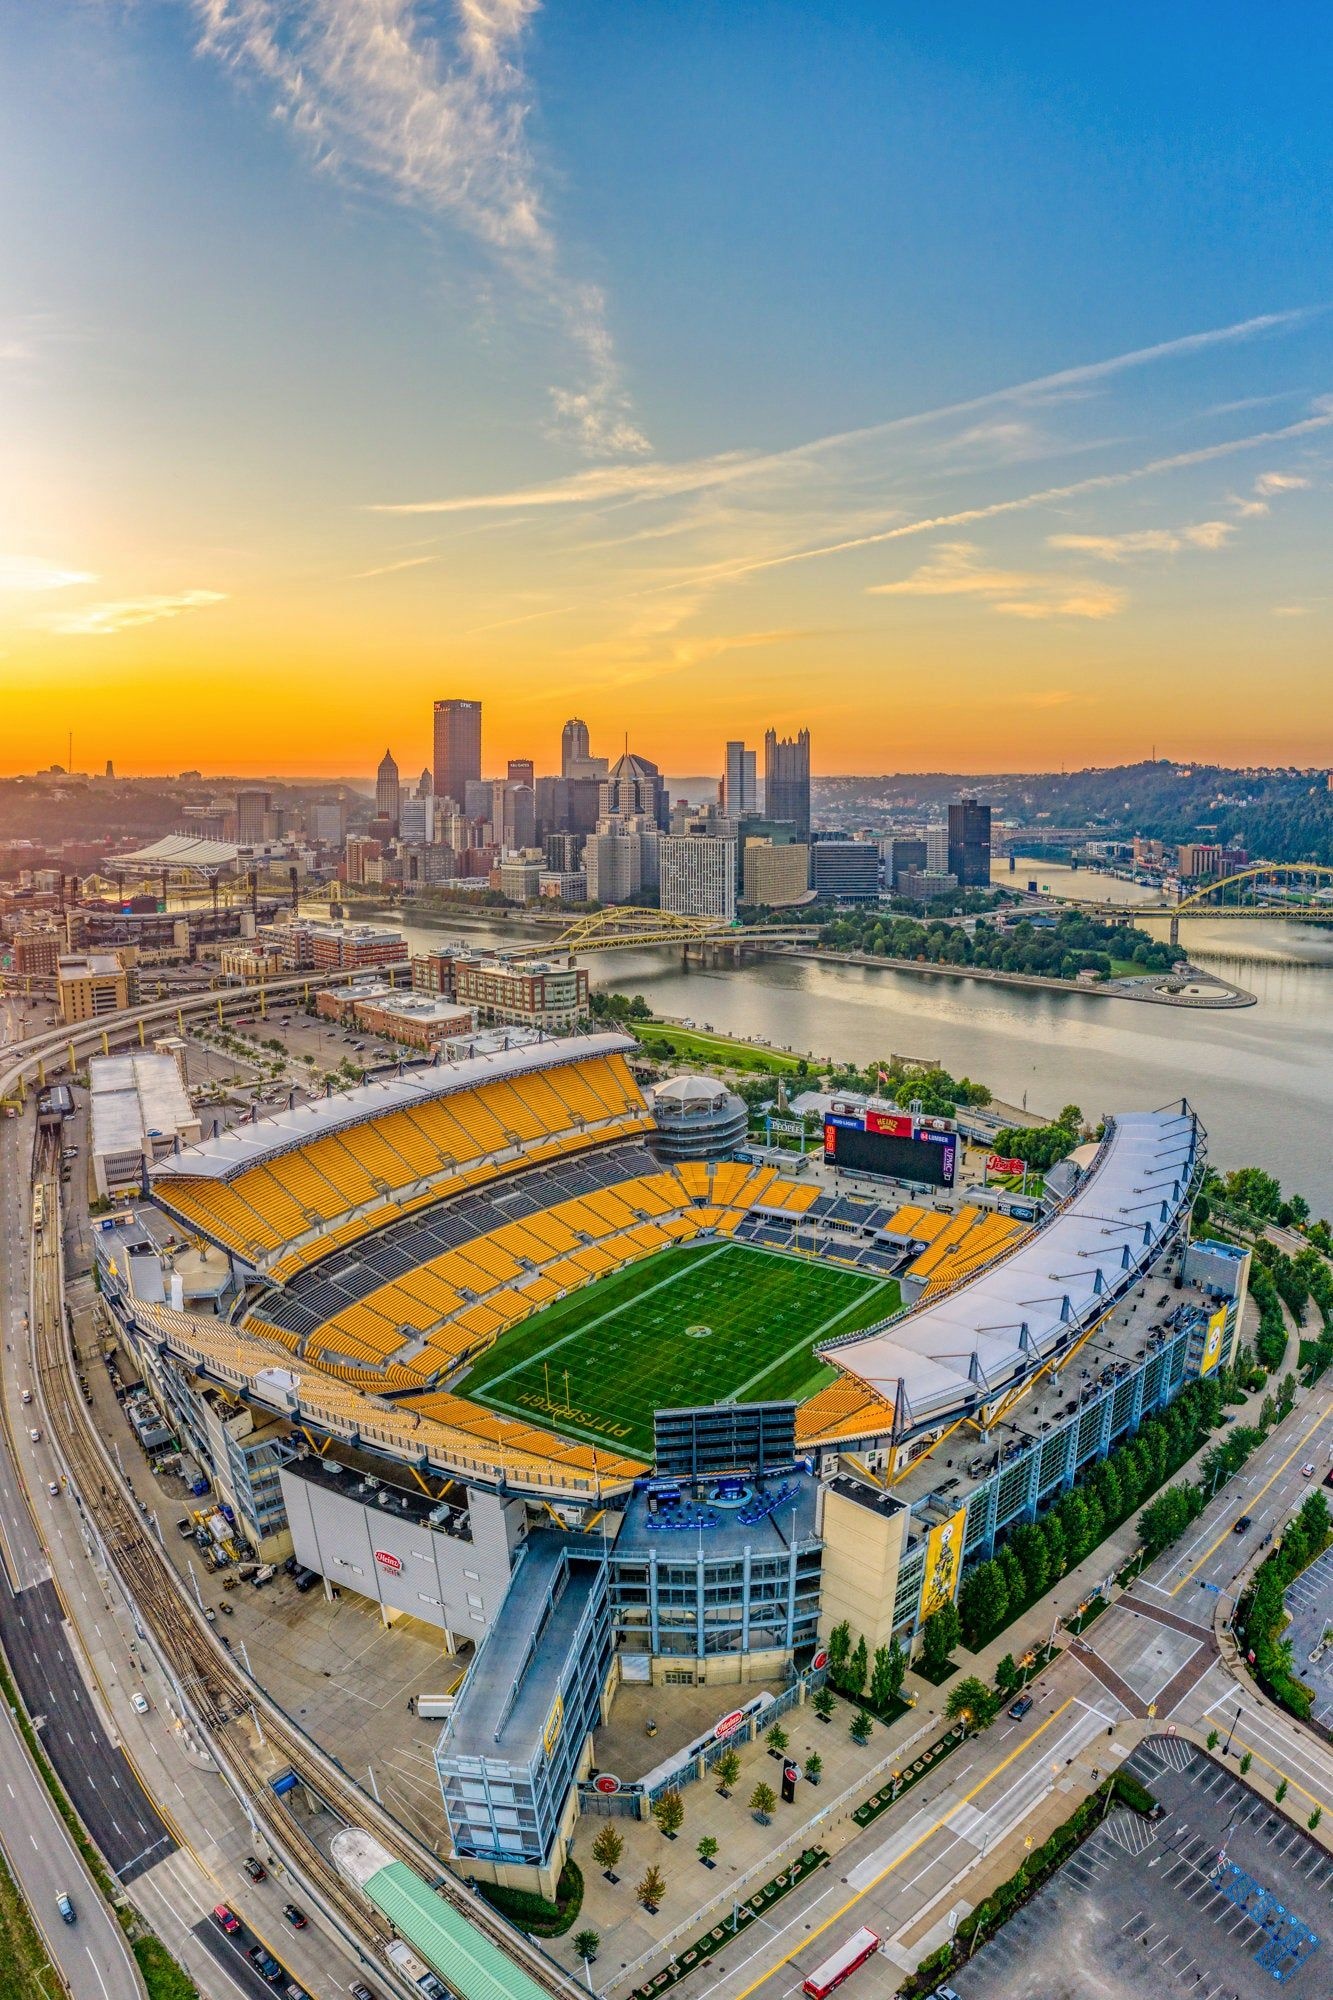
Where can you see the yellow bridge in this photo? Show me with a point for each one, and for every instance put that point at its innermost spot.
(1283, 889)
(624, 928)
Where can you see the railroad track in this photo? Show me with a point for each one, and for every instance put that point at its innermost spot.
(225, 1701)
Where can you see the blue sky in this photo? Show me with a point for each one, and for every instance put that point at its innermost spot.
(701, 288)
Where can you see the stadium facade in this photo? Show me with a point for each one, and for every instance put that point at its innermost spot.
(379, 1243)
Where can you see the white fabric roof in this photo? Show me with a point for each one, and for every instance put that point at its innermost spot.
(969, 1343)
(246, 1145)
(179, 850)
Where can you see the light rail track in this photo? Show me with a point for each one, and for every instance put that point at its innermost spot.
(236, 1714)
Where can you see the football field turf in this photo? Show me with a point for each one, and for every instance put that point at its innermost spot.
(701, 1323)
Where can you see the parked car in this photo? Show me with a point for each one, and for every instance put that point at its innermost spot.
(1018, 1709)
(66, 1909)
(265, 1964)
(255, 1869)
(228, 1919)
(360, 1991)
(1307, 1470)
(296, 1917)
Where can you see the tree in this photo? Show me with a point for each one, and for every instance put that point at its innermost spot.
(858, 1667)
(983, 1602)
(1245, 1763)
(652, 1886)
(814, 1766)
(1007, 1676)
(1315, 1818)
(839, 1651)
(939, 1636)
(669, 1812)
(778, 1738)
(861, 1726)
(707, 1847)
(971, 1702)
(727, 1769)
(585, 1944)
(822, 1703)
(763, 1802)
(607, 1848)
(1281, 1791)
(886, 1675)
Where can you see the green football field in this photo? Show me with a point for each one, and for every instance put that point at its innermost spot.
(701, 1323)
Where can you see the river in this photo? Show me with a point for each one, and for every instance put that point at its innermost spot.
(1260, 1077)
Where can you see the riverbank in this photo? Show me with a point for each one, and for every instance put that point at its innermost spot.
(1201, 989)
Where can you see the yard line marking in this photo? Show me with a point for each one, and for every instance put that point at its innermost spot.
(587, 1326)
(810, 1340)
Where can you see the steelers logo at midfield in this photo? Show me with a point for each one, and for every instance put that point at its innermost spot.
(698, 1333)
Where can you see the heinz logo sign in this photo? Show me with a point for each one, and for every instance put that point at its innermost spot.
(389, 1562)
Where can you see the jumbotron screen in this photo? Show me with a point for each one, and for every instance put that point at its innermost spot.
(892, 1156)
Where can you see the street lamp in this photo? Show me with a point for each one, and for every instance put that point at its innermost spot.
(1231, 1732)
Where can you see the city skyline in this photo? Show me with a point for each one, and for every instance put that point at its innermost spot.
(339, 368)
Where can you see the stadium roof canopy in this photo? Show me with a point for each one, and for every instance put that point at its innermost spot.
(180, 850)
(966, 1345)
(243, 1146)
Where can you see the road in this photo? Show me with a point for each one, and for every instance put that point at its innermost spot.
(120, 1769)
(92, 1954)
(1151, 1656)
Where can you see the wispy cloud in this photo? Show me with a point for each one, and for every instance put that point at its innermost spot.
(1265, 488)
(101, 621)
(656, 479)
(35, 573)
(392, 568)
(956, 571)
(376, 97)
(1147, 541)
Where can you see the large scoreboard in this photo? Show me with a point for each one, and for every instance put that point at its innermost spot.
(893, 1145)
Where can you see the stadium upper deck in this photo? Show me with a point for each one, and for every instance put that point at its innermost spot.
(966, 1344)
(285, 1190)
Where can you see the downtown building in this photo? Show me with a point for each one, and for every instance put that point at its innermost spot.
(698, 875)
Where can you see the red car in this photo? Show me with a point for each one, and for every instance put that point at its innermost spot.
(227, 1918)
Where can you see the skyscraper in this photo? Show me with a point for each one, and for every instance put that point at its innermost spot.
(635, 787)
(387, 792)
(698, 875)
(739, 786)
(521, 772)
(969, 843)
(252, 808)
(575, 745)
(787, 780)
(457, 748)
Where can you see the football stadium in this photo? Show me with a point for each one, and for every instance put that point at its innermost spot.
(506, 1363)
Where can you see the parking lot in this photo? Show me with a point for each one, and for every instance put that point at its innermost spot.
(1310, 1604)
(1219, 1899)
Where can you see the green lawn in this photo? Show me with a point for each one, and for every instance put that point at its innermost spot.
(660, 1038)
(701, 1323)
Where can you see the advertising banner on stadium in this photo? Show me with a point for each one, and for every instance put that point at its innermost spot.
(1000, 1163)
(897, 1124)
(944, 1553)
(554, 1724)
(1212, 1347)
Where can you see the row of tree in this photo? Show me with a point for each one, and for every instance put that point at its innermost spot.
(854, 1673)
(1037, 1552)
(1262, 1613)
(1076, 942)
(1042, 1145)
